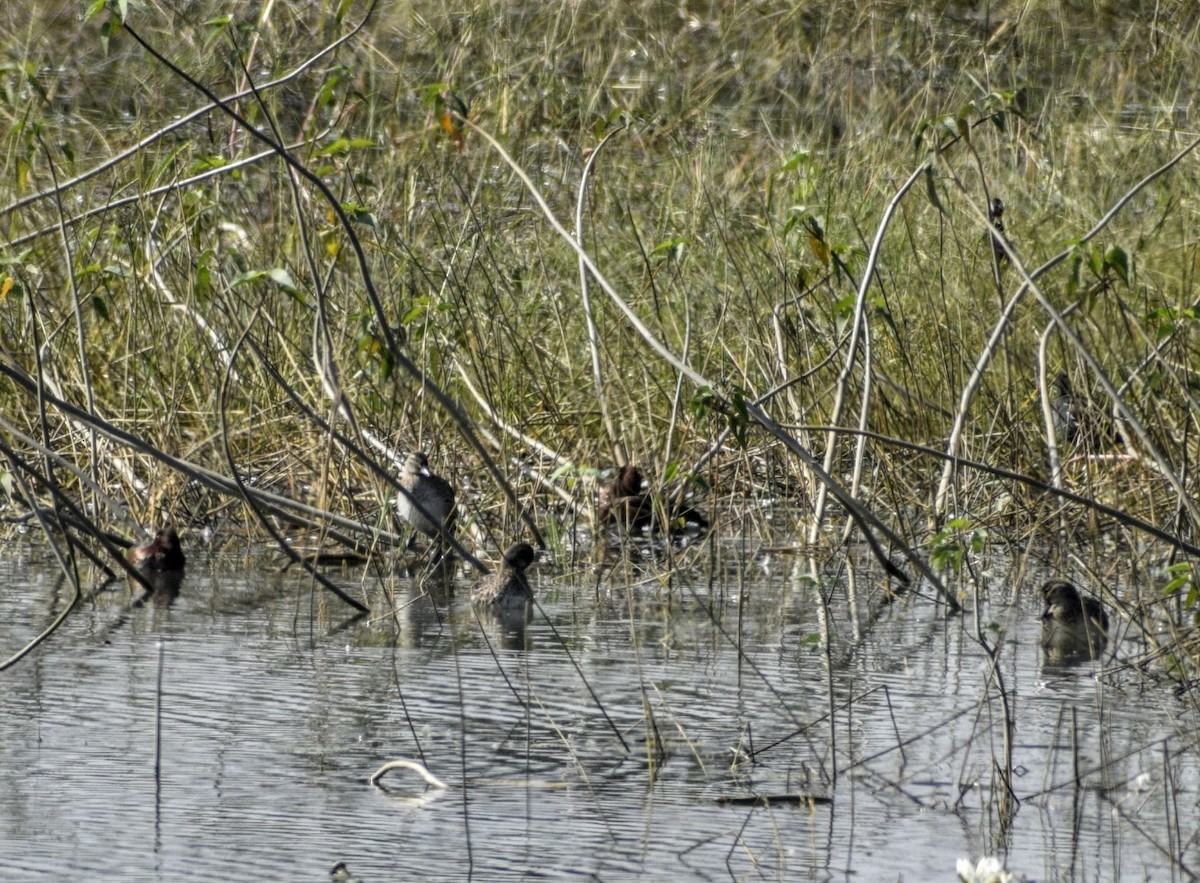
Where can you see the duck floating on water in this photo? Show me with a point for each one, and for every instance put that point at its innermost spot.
(162, 554)
(1074, 628)
(507, 588)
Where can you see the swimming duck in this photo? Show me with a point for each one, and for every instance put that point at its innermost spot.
(340, 873)
(507, 588)
(1073, 627)
(161, 554)
(428, 504)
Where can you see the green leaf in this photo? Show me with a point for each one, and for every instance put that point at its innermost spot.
(207, 163)
(702, 403)
(1117, 260)
(283, 279)
(1075, 276)
(338, 147)
(843, 310)
(343, 146)
(216, 27)
(919, 135)
(1182, 577)
(931, 189)
(247, 277)
(107, 30)
(671, 248)
(949, 552)
(360, 214)
(100, 305)
(739, 416)
(95, 7)
(800, 158)
(328, 91)
(202, 279)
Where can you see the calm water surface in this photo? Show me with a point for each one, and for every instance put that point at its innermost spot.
(598, 744)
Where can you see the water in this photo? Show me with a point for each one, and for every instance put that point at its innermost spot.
(276, 709)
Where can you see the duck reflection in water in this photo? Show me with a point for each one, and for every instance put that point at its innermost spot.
(1074, 628)
(506, 592)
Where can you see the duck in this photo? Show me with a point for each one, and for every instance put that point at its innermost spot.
(507, 588)
(1064, 409)
(340, 873)
(1078, 422)
(426, 500)
(622, 503)
(162, 554)
(1073, 627)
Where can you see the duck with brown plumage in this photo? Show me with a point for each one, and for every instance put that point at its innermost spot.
(1074, 627)
(624, 504)
(506, 591)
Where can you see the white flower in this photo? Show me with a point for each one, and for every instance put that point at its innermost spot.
(988, 870)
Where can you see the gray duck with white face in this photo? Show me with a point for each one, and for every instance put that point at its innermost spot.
(507, 588)
(429, 503)
(1073, 627)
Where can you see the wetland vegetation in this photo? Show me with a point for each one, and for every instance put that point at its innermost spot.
(896, 287)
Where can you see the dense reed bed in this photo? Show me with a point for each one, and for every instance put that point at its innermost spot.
(756, 250)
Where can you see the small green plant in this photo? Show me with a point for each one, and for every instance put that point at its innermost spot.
(952, 544)
(1183, 583)
(993, 108)
(1106, 266)
(706, 403)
